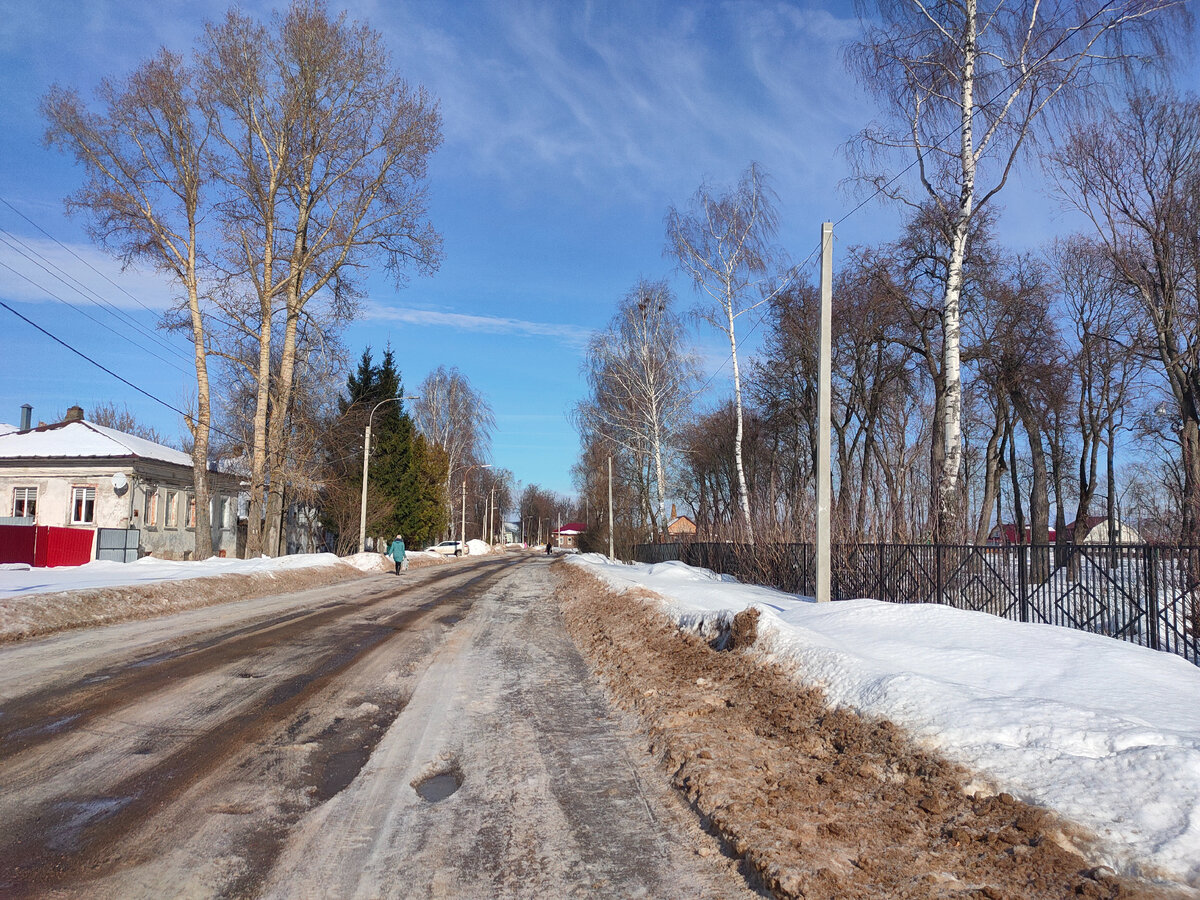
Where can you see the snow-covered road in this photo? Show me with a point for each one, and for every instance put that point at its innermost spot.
(276, 746)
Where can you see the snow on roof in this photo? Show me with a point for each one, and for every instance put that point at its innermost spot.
(82, 439)
(572, 528)
(7, 429)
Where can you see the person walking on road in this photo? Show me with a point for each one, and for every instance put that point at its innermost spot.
(396, 552)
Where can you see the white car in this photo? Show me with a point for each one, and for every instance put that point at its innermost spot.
(447, 548)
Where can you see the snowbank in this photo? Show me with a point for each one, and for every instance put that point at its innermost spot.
(1105, 732)
(476, 548)
(102, 573)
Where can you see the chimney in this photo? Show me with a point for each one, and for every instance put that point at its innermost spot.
(74, 414)
(673, 514)
(26, 416)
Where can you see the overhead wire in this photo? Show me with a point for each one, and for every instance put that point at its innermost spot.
(103, 368)
(92, 318)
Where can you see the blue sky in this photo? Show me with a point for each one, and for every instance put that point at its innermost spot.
(569, 128)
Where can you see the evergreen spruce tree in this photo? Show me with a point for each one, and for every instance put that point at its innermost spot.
(405, 472)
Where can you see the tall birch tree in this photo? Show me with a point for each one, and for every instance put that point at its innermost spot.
(329, 149)
(144, 153)
(457, 418)
(723, 242)
(642, 378)
(963, 83)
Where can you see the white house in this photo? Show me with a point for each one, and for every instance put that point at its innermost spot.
(82, 475)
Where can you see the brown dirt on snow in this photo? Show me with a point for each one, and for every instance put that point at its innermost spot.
(820, 802)
(36, 615)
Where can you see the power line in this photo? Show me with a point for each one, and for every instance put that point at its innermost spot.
(93, 297)
(76, 255)
(92, 318)
(109, 371)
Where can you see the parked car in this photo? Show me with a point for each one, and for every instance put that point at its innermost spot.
(447, 548)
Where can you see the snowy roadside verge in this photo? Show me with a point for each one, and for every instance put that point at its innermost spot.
(1105, 733)
(36, 602)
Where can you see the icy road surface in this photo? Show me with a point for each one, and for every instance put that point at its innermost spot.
(432, 735)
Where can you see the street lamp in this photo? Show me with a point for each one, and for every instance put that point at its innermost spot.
(462, 534)
(362, 512)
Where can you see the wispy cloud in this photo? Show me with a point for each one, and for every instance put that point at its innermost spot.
(38, 270)
(637, 97)
(571, 335)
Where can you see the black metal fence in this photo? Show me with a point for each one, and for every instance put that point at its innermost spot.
(1138, 593)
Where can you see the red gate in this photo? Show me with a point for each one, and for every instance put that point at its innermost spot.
(45, 545)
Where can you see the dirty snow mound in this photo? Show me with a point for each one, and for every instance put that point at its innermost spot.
(369, 562)
(475, 548)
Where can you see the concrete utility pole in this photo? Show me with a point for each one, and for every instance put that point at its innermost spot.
(824, 387)
(610, 512)
(362, 510)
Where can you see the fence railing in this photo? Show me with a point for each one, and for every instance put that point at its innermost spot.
(1148, 595)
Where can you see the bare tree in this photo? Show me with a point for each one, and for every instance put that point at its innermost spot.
(723, 242)
(1106, 363)
(121, 418)
(642, 378)
(1137, 177)
(965, 83)
(456, 417)
(327, 150)
(144, 155)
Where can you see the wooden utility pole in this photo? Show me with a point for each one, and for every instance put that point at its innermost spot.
(824, 386)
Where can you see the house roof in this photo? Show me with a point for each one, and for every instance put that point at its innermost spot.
(7, 429)
(572, 528)
(82, 440)
(681, 522)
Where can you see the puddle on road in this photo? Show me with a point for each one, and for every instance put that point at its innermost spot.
(452, 619)
(438, 787)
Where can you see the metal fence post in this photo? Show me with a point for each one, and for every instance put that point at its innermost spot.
(1151, 595)
(938, 587)
(1023, 580)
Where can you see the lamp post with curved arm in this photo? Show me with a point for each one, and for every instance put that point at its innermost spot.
(462, 534)
(362, 512)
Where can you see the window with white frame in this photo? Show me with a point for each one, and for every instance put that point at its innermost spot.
(83, 505)
(171, 520)
(150, 520)
(25, 502)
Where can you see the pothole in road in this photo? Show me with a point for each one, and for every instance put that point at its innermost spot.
(437, 787)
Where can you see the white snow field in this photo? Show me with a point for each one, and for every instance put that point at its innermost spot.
(17, 578)
(1104, 732)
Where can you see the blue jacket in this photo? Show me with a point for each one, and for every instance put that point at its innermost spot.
(396, 551)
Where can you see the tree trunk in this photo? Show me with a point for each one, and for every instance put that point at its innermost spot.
(1039, 505)
(947, 511)
(743, 491)
(203, 424)
(991, 481)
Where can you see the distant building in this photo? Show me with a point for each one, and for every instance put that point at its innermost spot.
(567, 537)
(1097, 532)
(1007, 534)
(680, 528)
(78, 474)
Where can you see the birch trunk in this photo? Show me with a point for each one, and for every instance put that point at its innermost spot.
(743, 491)
(202, 426)
(946, 519)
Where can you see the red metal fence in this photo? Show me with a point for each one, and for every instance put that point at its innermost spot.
(45, 545)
